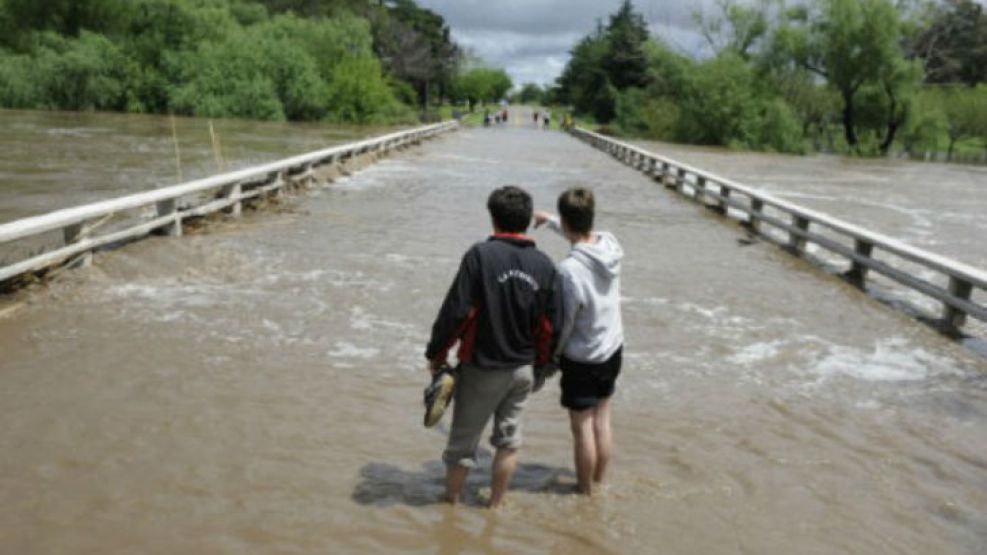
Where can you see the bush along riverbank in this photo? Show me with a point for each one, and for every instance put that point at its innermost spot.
(867, 77)
(341, 61)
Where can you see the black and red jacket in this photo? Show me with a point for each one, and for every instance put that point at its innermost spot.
(503, 306)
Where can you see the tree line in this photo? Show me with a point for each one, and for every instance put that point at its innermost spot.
(358, 61)
(858, 76)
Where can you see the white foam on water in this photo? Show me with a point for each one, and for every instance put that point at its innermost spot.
(343, 349)
(757, 352)
(650, 301)
(377, 175)
(890, 360)
(719, 315)
(360, 319)
(462, 158)
(168, 293)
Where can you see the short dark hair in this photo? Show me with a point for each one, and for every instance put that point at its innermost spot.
(576, 206)
(511, 208)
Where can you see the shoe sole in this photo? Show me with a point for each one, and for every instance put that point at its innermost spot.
(434, 412)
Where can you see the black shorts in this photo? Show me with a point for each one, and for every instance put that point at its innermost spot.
(584, 385)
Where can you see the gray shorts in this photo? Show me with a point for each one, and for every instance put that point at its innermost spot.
(480, 394)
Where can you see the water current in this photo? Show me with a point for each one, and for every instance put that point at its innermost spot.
(255, 387)
(53, 160)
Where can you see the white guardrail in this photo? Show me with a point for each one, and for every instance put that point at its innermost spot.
(225, 192)
(798, 223)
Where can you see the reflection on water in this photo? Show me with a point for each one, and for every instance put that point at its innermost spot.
(257, 388)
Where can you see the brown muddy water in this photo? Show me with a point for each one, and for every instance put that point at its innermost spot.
(938, 207)
(256, 388)
(52, 160)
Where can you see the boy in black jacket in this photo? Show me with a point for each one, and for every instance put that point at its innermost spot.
(503, 309)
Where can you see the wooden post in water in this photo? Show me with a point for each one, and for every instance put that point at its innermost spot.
(217, 150)
(178, 152)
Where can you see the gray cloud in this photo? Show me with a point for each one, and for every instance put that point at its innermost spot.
(531, 39)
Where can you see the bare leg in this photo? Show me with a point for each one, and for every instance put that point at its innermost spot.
(584, 448)
(503, 468)
(455, 480)
(604, 439)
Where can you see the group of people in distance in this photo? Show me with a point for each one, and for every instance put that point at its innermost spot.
(499, 116)
(546, 118)
(542, 119)
(517, 319)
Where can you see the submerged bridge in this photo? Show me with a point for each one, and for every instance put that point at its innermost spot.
(254, 385)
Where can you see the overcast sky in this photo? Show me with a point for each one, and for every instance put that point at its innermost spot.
(531, 39)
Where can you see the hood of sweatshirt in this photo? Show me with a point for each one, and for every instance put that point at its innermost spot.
(602, 257)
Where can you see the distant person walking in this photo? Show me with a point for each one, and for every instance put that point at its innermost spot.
(592, 336)
(534, 116)
(547, 118)
(504, 310)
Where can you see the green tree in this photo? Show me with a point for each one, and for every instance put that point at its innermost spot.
(481, 84)
(724, 103)
(926, 124)
(66, 17)
(530, 93)
(966, 113)
(584, 82)
(738, 28)
(415, 45)
(609, 60)
(953, 44)
(852, 43)
(624, 58)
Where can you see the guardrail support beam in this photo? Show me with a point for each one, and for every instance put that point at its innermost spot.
(680, 180)
(666, 175)
(753, 221)
(700, 193)
(164, 208)
(233, 191)
(858, 271)
(952, 317)
(722, 205)
(797, 242)
(73, 234)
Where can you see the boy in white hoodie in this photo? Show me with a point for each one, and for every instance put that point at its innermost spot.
(592, 335)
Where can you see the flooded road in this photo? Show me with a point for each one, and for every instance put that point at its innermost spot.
(52, 160)
(256, 388)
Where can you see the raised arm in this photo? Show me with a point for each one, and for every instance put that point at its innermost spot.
(547, 218)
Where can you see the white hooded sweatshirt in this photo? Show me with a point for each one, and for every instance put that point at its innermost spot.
(592, 329)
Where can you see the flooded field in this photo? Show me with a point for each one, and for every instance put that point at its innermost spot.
(256, 387)
(52, 160)
(938, 207)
